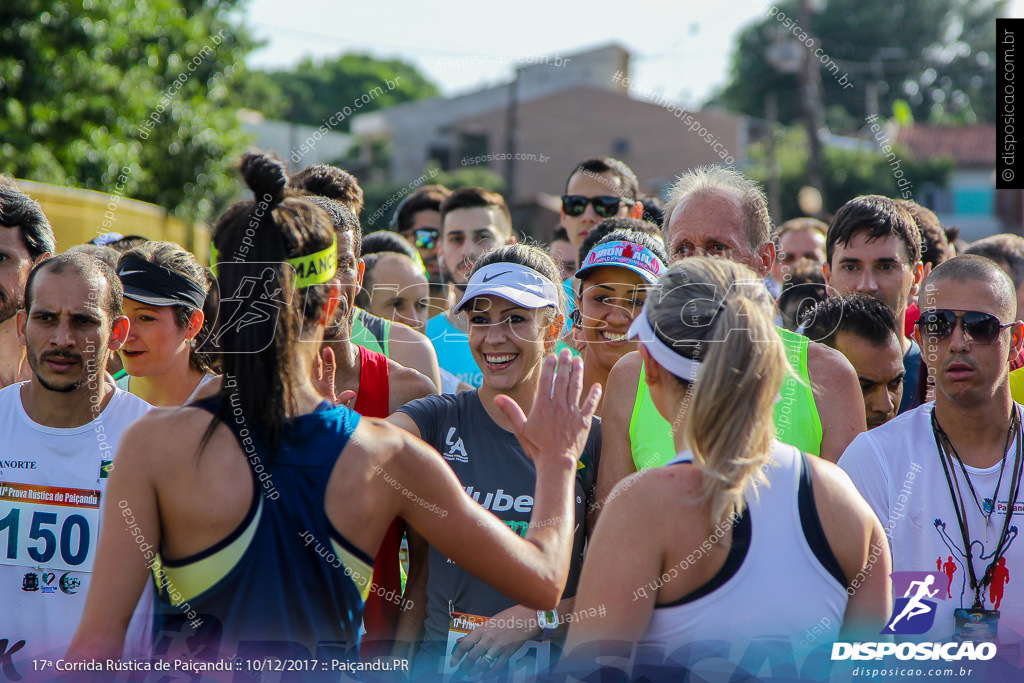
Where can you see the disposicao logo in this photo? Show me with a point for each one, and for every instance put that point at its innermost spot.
(947, 652)
(914, 613)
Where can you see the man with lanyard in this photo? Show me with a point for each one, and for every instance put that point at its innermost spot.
(60, 431)
(944, 478)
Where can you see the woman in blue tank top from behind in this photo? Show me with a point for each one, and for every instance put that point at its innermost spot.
(257, 512)
(741, 548)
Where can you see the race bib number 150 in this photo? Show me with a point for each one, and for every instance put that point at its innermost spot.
(48, 526)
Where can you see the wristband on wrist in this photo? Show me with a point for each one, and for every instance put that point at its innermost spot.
(548, 622)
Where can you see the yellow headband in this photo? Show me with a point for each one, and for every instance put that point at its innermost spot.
(310, 269)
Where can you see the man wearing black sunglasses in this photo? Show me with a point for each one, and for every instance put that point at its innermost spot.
(418, 219)
(598, 189)
(945, 478)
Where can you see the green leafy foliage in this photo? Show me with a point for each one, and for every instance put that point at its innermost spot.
(847, 172)
(938, 55)
(88, 88)
(314, 91)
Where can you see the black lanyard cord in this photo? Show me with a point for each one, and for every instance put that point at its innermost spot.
(958, 499)
(1002, 466)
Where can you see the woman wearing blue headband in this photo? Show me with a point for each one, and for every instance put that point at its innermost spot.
(165, 292)
(513, 308)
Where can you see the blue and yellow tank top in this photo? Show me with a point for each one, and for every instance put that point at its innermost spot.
(285, 580)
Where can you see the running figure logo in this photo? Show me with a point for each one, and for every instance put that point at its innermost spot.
(255, 301)
(914, 613)
(983, 556)
(949, 568)
(1000, 577)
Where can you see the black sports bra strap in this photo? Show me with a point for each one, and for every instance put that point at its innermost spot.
(814, 533)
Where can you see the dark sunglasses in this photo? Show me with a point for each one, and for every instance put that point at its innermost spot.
(605, 206)
(426, 238)
(980, 328)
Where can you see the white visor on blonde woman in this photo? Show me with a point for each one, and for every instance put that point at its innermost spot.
(680, 366)
(518, 284)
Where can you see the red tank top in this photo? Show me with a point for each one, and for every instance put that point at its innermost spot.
(372, 398)
(383, 604)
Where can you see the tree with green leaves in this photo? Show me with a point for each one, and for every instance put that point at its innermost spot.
(377, 193)
(314, 91)
(847, 173)
(937, 55)
(90, 88)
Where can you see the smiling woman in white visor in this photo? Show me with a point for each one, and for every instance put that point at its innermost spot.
(513, 307)
(613, 282)
(739, 540)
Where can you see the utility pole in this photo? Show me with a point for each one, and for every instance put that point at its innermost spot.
(813, 118)
(771, 112)
(786, 56)
(511, 133)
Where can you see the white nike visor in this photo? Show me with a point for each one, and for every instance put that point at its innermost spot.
(511, 281)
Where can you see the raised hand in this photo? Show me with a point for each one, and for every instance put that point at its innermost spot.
(558, 424)
(323, 382)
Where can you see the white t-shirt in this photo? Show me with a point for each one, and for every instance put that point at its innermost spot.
(52, 483)
(896, 468)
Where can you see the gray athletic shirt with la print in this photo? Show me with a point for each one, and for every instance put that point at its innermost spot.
(494, 470)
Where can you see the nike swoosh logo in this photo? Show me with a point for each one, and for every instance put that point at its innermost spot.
(130, 272)
(488, 279)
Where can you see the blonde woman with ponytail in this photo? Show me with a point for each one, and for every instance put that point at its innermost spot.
(740, 537)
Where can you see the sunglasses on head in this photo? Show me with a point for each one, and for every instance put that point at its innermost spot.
(426, 238)
(980, 328)
(605, 206)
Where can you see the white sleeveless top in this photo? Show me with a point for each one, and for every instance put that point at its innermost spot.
(53, 485)
(781, 582)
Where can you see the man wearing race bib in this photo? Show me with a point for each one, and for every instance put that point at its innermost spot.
(60, 430)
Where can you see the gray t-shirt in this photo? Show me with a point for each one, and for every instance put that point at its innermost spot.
(494, 470)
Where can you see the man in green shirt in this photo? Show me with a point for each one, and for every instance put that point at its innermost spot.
(716, 211)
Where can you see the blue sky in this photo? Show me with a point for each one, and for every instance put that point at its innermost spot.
(681, 50)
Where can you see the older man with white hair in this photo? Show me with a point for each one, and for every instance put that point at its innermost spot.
(716, 211)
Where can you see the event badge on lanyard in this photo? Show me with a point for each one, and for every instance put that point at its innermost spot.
(526, 663)
(978, 624)
(975, 625)
(48, 527)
